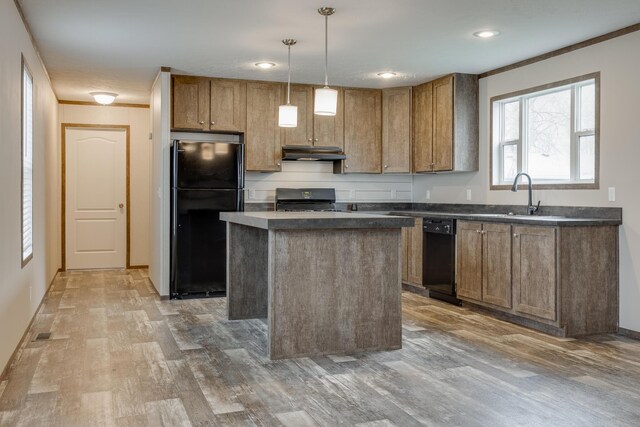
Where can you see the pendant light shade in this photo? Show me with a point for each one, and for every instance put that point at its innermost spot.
(326, 99)
(288, 114)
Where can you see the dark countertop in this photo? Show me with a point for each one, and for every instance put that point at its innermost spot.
(315, 220)
(549, 220)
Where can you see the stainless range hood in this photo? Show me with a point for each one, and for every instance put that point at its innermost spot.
(306, 152)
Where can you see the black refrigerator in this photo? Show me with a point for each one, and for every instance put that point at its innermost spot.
(207, 178)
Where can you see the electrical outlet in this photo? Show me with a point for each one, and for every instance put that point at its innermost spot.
(252, 194)
(428, 195)
(468, 194)
(612, 194)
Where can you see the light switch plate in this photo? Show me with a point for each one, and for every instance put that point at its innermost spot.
(468, 194)
(428, 195)
(612, 194)
(252, 194)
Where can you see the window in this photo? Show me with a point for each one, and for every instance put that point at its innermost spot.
(27, 162)
(550, 132)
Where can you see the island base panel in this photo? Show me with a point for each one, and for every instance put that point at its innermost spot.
(247, 272)
(334, 291)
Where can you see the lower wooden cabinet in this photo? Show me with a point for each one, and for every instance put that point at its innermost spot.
(535, 271)
(560, 279)
(412, 253)
(469, 260)
(484, 260)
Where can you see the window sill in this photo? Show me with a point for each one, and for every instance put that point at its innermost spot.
(550, 186)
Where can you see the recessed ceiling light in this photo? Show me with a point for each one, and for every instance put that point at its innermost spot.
(265, 65)
(486, 34)
(387, 74)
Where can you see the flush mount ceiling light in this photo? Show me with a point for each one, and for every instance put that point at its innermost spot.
(387, 74)
(326, 99)
(486, 34)
(288, 114)
(265, 65)
(104, 98)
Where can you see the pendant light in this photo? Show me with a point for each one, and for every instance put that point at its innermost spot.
(288, 114)
(326, 99)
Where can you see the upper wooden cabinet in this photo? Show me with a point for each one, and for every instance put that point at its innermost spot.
(396, 130)
(445, 124)
(329, 130)
(314, 129)
(263, 135)
(228, 105)
(190, 103)
(362, 130)
(204, 104)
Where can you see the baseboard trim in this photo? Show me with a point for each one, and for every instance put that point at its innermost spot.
(629, 333)
(23, 340)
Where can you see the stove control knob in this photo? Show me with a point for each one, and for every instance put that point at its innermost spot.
(447, 228)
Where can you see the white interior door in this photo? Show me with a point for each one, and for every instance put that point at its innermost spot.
(95, 211)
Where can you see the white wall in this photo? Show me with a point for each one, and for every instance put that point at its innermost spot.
(159, 189)
(22, 289)
(349, 187)
(618, 60)
(140, 152)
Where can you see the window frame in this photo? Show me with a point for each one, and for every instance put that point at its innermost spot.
(25, 71)
(497, 145)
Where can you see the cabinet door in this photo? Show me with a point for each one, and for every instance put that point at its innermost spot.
(414, 273)
(496, 264)
(396, 130)
(329, 130)
(262, 138)
(443, 124)
(302, 97)
(469, 260)
(534, 271)
(190, 103)
(228, 105)
(406, 239)
(422, 126)
(362, 134)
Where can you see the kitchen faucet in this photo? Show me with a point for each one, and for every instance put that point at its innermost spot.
(530, 208)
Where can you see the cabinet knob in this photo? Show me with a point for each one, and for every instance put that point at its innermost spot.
(213, 123)
(278, 163)
(515, 235)
(202, 122)
(478, 231)
(309, 139)
(315, 140)
(346, 166)
(386, 166)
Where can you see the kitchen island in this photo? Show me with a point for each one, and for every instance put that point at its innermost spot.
(327, 282)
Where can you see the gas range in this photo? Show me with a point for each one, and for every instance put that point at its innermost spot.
(306, 200)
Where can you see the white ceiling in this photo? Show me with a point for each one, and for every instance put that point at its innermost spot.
(119, 45)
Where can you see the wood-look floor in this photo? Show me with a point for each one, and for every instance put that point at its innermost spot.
(120, 356)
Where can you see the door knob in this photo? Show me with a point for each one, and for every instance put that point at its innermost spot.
(121, 205)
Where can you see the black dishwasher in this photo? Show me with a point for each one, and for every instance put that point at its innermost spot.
(439, 259)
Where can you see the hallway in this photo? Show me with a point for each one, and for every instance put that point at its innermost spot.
(118, 355)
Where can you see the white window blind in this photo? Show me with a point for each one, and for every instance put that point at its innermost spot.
(27, 165)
